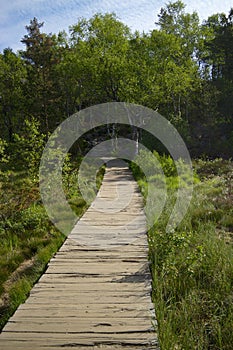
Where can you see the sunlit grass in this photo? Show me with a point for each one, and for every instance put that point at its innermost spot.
(192, 267)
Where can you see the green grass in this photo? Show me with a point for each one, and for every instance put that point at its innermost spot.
(192, 267)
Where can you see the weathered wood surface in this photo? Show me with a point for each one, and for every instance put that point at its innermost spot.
(95, 292)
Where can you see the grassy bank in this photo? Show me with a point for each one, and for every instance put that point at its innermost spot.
(192, 267)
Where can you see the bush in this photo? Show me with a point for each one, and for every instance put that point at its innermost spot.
(28, 147)
(3, 156)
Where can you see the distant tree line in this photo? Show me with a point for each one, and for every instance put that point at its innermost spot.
(182, 68)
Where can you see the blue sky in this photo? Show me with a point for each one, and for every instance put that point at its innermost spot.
(60, 14)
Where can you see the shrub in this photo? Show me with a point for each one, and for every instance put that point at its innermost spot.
(28, 147)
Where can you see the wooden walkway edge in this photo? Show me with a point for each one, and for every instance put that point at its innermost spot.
(96, 291)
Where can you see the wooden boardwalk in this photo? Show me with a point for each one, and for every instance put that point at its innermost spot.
(96, 291)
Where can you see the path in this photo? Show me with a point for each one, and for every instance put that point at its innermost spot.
(95, 292)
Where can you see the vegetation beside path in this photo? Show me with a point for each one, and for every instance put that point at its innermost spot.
(192, 267)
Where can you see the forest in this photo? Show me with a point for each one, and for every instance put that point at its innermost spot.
(182, 69)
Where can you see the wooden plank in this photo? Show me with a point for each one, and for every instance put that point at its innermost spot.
(109, 308)
(70, 313)
(96, 290)
(79, 327)
(34, 346)
(65, 338)
(79, 278)
(97, 287)
(87, 342)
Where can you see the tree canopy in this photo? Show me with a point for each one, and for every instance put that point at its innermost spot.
(182, 68)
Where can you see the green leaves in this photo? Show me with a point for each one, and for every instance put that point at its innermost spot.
(12, 79)
(99, 54)
(29, 147)
(185, 26)
(41, 56)
(3, 156)
(182, 69)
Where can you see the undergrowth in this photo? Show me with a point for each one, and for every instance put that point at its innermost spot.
(192, 266)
